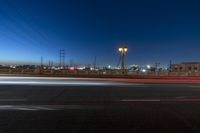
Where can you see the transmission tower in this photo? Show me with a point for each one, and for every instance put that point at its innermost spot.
(95, 61)
(62, 58)
(157, 64)
(119, 61)
(41, 62)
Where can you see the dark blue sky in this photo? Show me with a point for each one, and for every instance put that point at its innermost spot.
(154, 30)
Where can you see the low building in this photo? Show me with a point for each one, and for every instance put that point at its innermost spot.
(187, 67)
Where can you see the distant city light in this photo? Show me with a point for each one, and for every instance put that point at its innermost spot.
(91, 68)
(81, 68)
(148, 66)
(144, 70)
(71, 68)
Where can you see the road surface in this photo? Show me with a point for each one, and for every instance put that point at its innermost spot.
(44, 104)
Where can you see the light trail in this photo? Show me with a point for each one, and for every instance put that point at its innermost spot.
(52, 83)
(175, 100)
(59, 81)
(118, 80)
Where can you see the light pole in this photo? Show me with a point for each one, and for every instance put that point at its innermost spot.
(123, 49)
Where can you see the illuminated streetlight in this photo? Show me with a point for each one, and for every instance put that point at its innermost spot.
(123, 50)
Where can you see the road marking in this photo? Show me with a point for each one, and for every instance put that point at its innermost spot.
(140, 100)
(185, 100)
(13, 100)
(25, 107)
(162, 100)
(192, 86)
(181, 97)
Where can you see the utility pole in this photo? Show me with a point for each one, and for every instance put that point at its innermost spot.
(62, 58)
(123, 60)
(50, 64)
(41, 65)
(71, 63)
(170, 65)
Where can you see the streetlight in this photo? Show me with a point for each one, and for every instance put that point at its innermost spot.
(123, 49)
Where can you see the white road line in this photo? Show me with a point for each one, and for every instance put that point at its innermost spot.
(24, 108)
(185, 100)
(161, 100)
(13, 100)
(140, 100)
(192, 86)
(181, 97)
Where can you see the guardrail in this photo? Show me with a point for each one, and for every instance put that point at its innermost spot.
(97, 73)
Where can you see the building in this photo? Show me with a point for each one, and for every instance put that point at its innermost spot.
(186, 67)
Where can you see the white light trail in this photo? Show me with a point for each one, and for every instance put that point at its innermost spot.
(64, 81)
(49, 83)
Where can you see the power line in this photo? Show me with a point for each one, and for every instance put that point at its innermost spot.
(119, 61)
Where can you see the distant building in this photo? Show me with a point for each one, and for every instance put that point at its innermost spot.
(188, 67)
(4, 67)
(134, 68)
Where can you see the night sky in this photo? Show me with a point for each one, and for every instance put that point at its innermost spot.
(153, 30)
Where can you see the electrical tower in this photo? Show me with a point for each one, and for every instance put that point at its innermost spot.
(170, 65)
(157, 65)
(50, 63)
(119, 61)
(41, 63)
(62, 58)
(95, 62)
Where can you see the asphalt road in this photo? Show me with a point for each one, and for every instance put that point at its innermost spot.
(74, 105)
